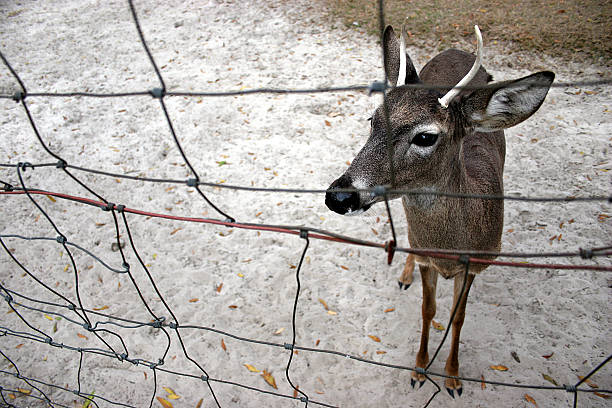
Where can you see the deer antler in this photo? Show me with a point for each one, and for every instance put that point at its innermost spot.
(446, 99)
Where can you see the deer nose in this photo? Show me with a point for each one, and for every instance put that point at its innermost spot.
(341, 202)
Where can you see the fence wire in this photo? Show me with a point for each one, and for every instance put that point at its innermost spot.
(104, 326)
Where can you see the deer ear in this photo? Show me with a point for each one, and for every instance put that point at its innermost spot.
(396, 60)
(506, 104)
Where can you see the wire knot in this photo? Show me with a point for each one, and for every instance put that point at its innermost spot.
(570, 388)
(24, 165)
(61, 239)
(120, 208)
(303, 234)
(464, 259)
(19, 96)
(61, 164)
(288, 346)
(108, 207)
(158, 92)
(192, 182)
(204, 378)
(420, 370)
(377, 86)
(586, 253)
(173, 325)
(7, 187)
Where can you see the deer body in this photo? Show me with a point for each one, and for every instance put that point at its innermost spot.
(457, 148)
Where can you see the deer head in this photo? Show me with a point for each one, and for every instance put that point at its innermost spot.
(427, 127)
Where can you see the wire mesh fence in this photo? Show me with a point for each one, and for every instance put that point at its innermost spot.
(114, 337)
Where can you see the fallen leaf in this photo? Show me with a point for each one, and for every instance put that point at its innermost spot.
(389, 309)
(100, 308)
(375, 338)
(269, 379)
(51, 198)
(317, 342)
(164, 403)
(381, 352)
(218, 288)
(327, 123)
(550, 379)
(530, 399)
(344, 267)
(548, 355)
(24, 391)
(199, 404)
(515, 357)
(175, 231)
(233, 306)
(251, 368)
(48, 317)
(589, 382)
(295, 391)
(437, 326)
(223, 345)
(482, 383)
(173, 397)
(323, 303)
(601, 395)
(499, 367)
(193, 300)
(82, 336)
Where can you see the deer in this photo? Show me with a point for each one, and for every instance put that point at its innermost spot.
(447, 140)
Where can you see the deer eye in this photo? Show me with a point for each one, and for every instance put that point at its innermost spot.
(425, 139)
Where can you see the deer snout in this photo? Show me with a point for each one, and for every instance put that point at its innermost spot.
(342, 202)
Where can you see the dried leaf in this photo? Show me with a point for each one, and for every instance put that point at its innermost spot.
(530, 399)
(218, 288)
(589, 382)
(515, 357)
(327, 123)
(437, 326)
(24, 391)
(251, 368)
(381, 352)
(193, 300)
(331, 312)
(48, 317)
(168, 390)
(82, 336)
(295, 391)
(548, 355)
(269, 378)
(51, 198)
(482, 384)
(601, 395)
(164, 403)
(100, 308)
(317, 342)
(233, 306)
(199, 404)
(173, 396)
(323, 303)
(175, 231)
(550, 379)
(344, 267)
(223, 345)
(19, 346)
(499, 367)
(375, 338)
(389, 309)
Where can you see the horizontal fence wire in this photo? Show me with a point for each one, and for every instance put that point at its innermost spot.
(106, 326)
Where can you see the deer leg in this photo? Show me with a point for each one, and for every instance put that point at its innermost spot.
(405, 279)
(429, 278)
(452, 363)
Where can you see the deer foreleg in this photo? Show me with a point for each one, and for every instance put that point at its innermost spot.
(452, 363)
(406, 278)
(429, 278)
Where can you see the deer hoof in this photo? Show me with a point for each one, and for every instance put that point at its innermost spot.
(403, 285)
(459, 391)
(450, 392)
(421, 384)
(412, 382)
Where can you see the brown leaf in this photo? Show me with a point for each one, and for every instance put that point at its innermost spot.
(233, 306)
(193, 300)
(164, 403)
(530, 399)
(601, 395)
(381, 352)
(269, 379)
(199, 404)
(499, 367)
(218, 288)
(317, 342)
(589, 382)
(550, 379)
(389, 309)
(295, 391)
(51, 198)
(482, 384)
(327, 123)
(548, 355)
(223, 345)
(251, 368)
(175, 231)
(344, 267)
(82, 336)
(100, 308)
(324, 304)
(437, 326)
(24, 391)
(375, 338)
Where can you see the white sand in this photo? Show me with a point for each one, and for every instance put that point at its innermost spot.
(275, 141)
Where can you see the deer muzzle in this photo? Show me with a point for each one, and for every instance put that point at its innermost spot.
(341, 201)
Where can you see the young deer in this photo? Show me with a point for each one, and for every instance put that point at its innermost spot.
(449, 144)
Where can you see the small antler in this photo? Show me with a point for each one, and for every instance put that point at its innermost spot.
(401, 78)
(446, 99)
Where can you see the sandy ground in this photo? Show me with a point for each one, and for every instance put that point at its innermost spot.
(274, 141)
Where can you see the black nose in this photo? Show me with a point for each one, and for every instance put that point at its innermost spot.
(341, 201)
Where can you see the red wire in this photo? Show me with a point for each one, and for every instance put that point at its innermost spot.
(282, 230)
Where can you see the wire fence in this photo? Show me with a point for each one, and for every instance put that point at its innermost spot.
(106, 327)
